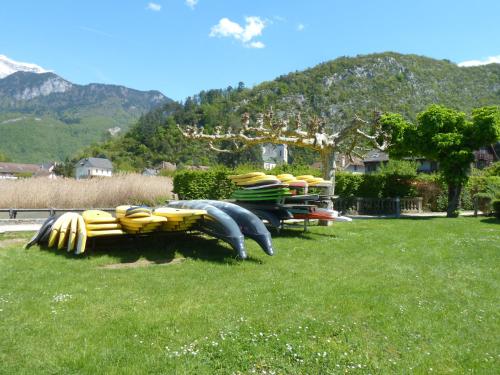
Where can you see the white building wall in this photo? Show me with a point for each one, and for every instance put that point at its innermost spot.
(87, 172)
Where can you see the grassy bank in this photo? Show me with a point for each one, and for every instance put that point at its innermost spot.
(374, 296)
(71, 193)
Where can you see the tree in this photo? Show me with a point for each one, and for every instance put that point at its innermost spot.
(446, 136)
(290, 131)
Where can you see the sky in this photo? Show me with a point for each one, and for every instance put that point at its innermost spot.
(181, 47)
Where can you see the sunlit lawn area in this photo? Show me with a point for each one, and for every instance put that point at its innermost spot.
(371, 296)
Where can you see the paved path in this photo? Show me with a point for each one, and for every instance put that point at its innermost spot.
(19, 228)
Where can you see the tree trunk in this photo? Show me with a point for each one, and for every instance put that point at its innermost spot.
(328, 170)
(454, 192)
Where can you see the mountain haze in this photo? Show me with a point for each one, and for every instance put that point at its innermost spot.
(337, 89)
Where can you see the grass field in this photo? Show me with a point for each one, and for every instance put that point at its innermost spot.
(369, 297)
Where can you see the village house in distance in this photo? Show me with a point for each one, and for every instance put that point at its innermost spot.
(93, 167)
(13, 171)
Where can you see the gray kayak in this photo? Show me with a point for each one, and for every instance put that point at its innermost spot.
(248, 222)
(217, 224)
(38, 237)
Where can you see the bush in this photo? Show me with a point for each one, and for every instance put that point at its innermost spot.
(493, 169)
(496, 207)
(210, 184)
(393, 180)
(432, 189)
(347, 184)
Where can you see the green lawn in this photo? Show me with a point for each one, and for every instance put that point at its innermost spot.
(372, 296)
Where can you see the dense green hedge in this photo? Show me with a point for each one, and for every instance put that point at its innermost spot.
(395, 180)
(210, 184)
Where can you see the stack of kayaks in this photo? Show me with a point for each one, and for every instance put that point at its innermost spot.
(101, 224)
(257, 186)
(139, 219)
(222, 220)
(67, 231)
(179, 219)
(314, 181)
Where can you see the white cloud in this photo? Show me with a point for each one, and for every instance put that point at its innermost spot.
(154, 7)
(300, 27)
(229, 29)
(256, 45)
(191, 3)
(488, 60)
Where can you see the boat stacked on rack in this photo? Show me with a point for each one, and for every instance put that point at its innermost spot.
(257, 186)
(282, 197)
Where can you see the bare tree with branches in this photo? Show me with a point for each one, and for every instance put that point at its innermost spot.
(291, 131)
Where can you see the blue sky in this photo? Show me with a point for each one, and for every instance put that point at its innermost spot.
(183, 46)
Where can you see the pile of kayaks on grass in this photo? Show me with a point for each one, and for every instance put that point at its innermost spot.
(223, 220)
(277, 198)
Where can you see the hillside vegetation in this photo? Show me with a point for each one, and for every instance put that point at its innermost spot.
(405, 84)
(43, 117)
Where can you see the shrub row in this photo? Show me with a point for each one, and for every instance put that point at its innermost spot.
(396, 180)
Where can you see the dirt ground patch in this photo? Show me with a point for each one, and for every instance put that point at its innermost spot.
(143, 263)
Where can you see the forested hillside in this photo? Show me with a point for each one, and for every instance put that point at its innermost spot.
(44, 117)
(336, 90)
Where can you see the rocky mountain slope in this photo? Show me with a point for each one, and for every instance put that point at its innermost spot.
(337, 89)
(45, 117)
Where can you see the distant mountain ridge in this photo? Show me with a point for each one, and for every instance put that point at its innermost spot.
(336, 90)
(9, 66)
(46, 117)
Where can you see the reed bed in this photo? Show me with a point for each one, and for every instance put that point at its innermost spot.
(98, 192)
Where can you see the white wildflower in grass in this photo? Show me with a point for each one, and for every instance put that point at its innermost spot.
(61, 297)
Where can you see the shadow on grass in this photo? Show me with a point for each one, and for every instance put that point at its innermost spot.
(299, 233)
(158, 249)
(491, 220)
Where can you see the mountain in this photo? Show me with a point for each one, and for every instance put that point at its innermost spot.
(44, 117)
(9, 66)
(337, 89)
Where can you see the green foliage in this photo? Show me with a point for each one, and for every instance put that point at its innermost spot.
(448, 137)
(492, 170)
(347, 184)
(395, 179)
(210, 184)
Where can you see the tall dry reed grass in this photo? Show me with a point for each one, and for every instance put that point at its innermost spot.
(70, 193)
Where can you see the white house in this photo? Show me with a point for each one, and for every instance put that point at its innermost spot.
(13, 171)
(272, 155)
(93, 167)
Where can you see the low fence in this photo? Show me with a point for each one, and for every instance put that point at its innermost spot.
(378, 206)
(382, 206)
(50, 211)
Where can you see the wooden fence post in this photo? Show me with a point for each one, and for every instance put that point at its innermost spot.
(398, 207)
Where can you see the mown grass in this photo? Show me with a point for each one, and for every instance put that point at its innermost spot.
(374, 296)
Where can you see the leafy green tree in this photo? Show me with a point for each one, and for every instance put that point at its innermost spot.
(446, 136)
